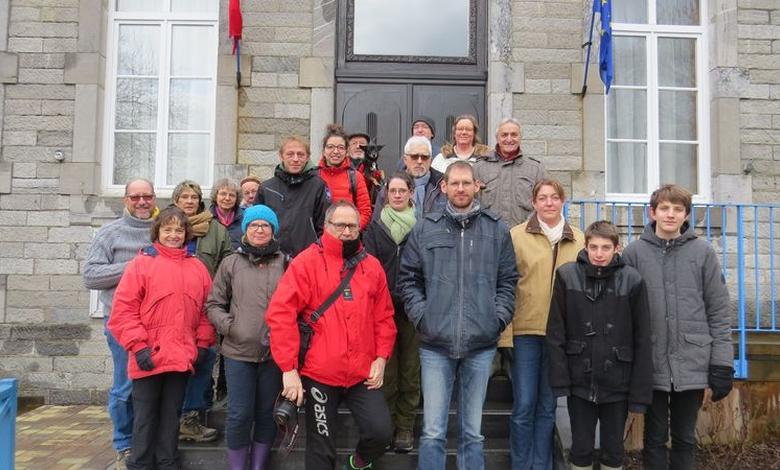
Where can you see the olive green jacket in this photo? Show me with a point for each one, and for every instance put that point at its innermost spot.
(213, 247)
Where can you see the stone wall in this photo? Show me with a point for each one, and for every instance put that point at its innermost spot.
(759, 106)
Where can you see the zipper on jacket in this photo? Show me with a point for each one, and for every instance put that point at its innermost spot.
(668, 244)
(460, 290)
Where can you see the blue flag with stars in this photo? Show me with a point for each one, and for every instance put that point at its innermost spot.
(606, 66)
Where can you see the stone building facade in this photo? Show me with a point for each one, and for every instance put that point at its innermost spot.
(56, 78)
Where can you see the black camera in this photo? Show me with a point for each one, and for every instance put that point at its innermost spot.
(285, 412)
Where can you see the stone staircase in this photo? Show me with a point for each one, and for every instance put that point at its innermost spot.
(495, 428)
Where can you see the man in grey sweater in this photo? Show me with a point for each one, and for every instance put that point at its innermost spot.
(114, 245)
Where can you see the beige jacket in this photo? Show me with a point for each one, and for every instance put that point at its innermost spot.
(535, 265)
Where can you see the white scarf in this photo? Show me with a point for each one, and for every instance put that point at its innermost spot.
(554, 234)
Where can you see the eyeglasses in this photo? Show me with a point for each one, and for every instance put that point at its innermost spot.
(331, 147)
(229, 194)
(340, 226)
(418, 156)
(258, 226)
(138, 197)
(399, 191)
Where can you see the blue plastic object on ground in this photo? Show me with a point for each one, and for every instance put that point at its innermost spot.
(7, 422)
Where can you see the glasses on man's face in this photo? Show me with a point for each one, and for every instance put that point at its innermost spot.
(420, 157)
(254, 226)
(341, 227)
(138, 197)
(332, 147)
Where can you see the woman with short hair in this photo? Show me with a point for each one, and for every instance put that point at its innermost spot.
(225, 197)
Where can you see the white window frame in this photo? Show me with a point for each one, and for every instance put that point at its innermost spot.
(166, 19)
(652, 32)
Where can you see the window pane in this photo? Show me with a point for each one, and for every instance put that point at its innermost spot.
(139, 49)
(629, 11)
(188, 157)
(412, 27)
(684, 12)
(679, 165)
(677, 115)
(136, 103)
(627, 111)
(677, 62)
(626, 167)
(194, 6)
(190, 107)
(190, 51)
(630, 59)
(139, 5)
(133, 156)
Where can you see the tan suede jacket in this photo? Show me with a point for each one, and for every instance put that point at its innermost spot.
(537, 273)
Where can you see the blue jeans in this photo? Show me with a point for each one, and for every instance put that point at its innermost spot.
(438, 376)
(533, 408)
(252, 390)
(120, 402)
(198, 395)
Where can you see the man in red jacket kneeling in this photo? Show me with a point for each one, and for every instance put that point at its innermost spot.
(352, 340)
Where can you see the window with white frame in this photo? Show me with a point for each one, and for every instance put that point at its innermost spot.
(657, 124)
(161, 91)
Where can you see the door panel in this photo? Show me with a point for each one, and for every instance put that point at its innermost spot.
(381, 111)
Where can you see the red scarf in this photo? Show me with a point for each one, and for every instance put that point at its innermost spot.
(225, 219)
(508, 158)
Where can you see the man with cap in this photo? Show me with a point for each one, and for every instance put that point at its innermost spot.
(423, 126)
(357, 142)
(249, 187)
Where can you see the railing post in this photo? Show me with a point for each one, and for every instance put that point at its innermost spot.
(741, 363)
(7, 423)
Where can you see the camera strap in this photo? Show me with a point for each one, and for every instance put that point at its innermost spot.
(353, 264)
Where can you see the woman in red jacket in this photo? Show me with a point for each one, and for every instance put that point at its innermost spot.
(158, 317)
(344, 182)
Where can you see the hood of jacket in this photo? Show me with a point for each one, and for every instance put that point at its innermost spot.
(686, 234)
(295, 179)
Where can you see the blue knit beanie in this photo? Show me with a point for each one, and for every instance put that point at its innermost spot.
(259, 212)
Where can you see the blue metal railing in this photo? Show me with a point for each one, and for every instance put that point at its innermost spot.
(7, 423)
(743, 235)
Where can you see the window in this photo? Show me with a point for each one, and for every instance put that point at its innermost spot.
(657, 124)
(162, 66)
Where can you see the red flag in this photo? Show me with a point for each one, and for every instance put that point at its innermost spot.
(236, 22)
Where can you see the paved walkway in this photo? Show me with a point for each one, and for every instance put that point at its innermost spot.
(64, 438)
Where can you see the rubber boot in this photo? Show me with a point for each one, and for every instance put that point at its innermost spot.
(260, 453)
(237, 458)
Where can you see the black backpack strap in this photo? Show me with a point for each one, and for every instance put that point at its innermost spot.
(353, 264)
(351, 173)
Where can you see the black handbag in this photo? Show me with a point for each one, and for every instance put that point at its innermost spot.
(305, 329)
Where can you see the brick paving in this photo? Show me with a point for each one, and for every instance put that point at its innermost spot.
(64, 438)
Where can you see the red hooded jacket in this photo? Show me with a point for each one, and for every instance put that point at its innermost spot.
(350, 335)
(337, 179)
(159, 304)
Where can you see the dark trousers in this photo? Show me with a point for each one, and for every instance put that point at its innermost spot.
(369, 410)
(157, 402)
(252, 390)
(678, 412)
(611, 417)
(402, 375)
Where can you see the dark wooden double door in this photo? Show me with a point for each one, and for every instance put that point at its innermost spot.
(386, 110)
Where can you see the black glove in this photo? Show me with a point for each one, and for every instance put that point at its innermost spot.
(507, 356)
(144, 359)
(721, 380)
(203, 353)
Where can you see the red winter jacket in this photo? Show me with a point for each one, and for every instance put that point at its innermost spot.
(159, 304)
(350, 335)
(337, 179)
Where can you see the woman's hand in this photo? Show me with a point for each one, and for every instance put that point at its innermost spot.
(376, 375)
(292, 388)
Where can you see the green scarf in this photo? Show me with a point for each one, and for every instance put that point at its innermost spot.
(400, 223)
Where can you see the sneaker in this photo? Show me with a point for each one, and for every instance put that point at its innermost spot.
(120, 461)
(190, 429)
(403, 440)
(350, 465)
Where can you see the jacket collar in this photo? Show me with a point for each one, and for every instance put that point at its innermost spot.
(535, 228)
(173, 253)
(599, 272)
(290, 179)
(334, 170)
(686, 234)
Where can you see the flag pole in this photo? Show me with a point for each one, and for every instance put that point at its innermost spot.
(238, 63)
(589, 44)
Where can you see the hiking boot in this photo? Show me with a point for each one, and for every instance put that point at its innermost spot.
(190, 429)
(403, 440)
(120, 461)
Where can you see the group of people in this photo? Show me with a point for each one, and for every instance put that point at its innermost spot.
(329, 283)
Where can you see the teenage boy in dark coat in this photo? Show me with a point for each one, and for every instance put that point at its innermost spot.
(598, 335)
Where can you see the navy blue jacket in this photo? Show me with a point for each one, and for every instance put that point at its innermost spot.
(457, 281)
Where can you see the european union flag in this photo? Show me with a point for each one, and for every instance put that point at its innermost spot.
(606, 67)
